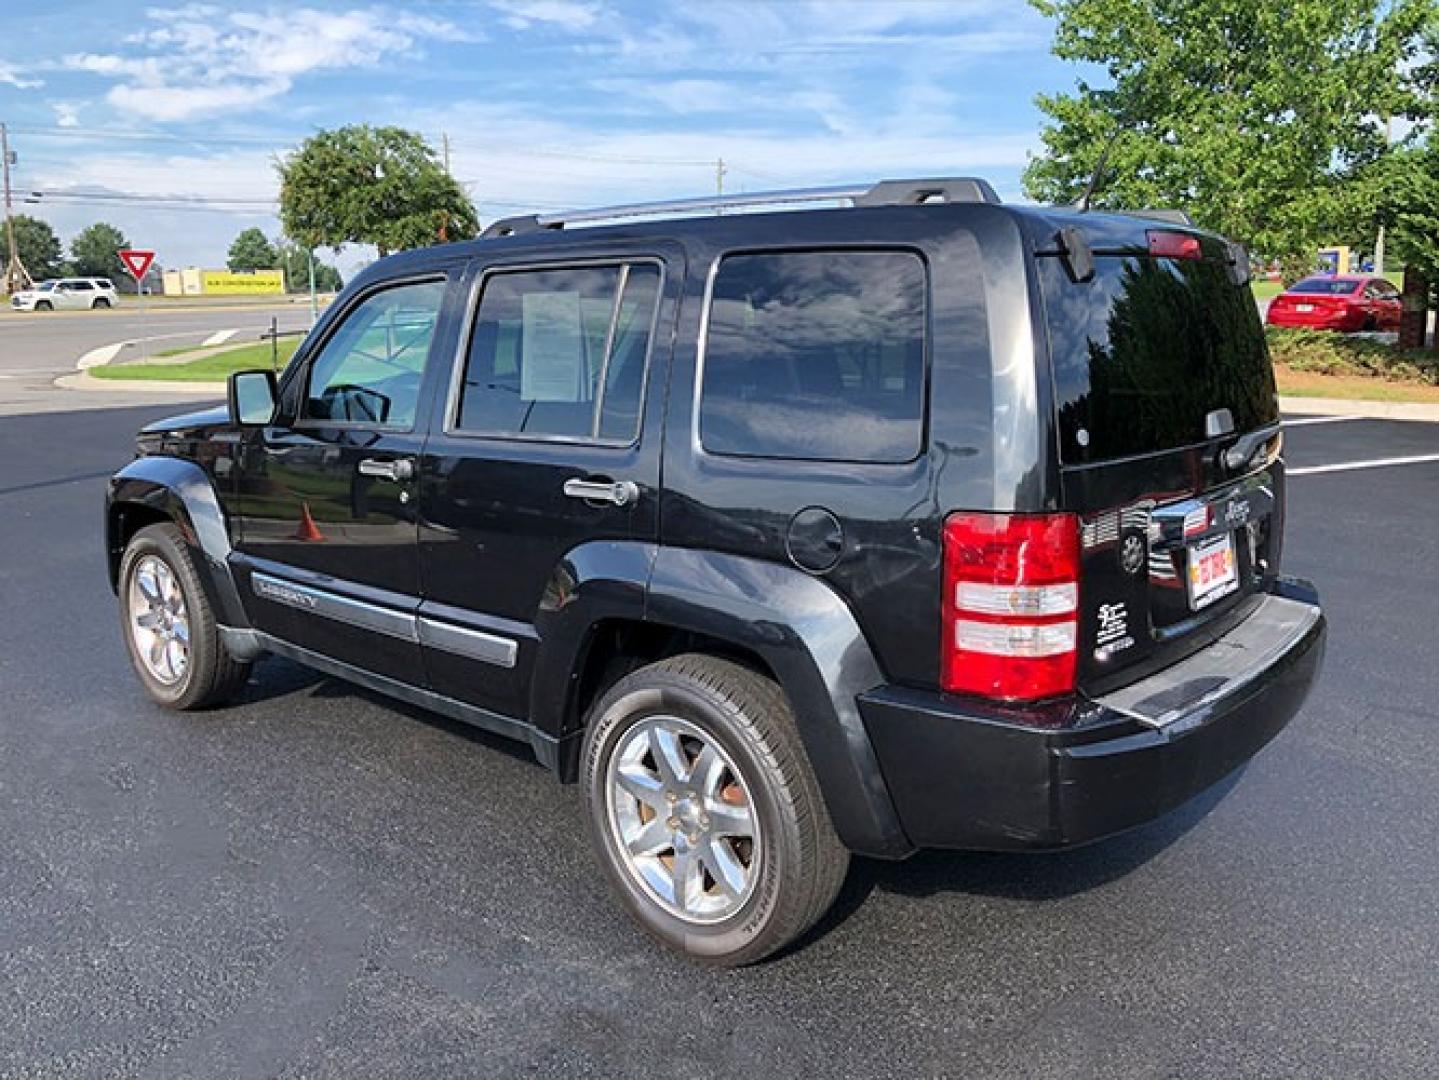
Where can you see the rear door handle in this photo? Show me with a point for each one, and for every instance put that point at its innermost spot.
(620, 493)
(396, 470)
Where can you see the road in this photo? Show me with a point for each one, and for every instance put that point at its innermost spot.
(321, 883)
(37, 347)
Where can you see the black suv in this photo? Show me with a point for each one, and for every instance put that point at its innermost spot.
(920, 522)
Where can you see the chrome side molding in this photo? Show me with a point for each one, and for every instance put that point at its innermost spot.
(419, 629)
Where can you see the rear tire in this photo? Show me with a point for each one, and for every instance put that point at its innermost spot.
(705, 812)
(170, 631)
(100, 302)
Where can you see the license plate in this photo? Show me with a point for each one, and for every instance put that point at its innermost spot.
(1303, 307)
(1212, 573)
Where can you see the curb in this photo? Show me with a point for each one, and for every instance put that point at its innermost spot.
(1369, 410)
(83, 380)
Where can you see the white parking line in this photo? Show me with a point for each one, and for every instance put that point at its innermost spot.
(1321, 420)
(1375, 463)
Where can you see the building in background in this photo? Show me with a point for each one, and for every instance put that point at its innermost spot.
(193, 281)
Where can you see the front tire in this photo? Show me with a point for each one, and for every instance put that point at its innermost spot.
(170, 631)
(704, 810)
(44, 305)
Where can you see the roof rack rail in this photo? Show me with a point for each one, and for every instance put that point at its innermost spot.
(883, 193)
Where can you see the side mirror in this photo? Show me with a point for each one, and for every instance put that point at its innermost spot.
(253, 396)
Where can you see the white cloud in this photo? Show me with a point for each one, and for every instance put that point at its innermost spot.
(10, 75)
(203, 60)
(570, 15)
(66, 116)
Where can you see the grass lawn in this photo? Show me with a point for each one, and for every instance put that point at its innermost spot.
(214, 368)
(1352, 387)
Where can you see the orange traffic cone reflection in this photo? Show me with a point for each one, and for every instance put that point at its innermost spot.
(308, 530)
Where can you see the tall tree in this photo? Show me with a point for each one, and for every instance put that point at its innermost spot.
(1247, 113)
(365, 185)
(252, 251)
(296, 262)
(93, 250)
(38, 245)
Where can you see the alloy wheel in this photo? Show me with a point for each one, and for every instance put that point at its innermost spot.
(159, 622)
(682, 818)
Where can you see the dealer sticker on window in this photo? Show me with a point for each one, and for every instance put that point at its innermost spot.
(1212, 573)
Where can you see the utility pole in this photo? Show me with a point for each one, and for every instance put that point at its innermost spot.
(445, 151)
(16, 276)
(720, 170)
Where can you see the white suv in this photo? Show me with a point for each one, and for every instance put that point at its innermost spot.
(89, 292)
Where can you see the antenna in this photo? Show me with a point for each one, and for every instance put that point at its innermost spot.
(1083, 204)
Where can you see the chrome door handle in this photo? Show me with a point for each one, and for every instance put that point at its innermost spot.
(397, 470)
(621, 493)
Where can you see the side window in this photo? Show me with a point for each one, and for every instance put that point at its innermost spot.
(561, 353)
(80, 286)
(816, 355)
(369, 371)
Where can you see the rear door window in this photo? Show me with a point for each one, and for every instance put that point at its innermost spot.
(1144, 351)
(561, 353)
(816, 355)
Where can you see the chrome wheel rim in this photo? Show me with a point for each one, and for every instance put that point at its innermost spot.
(159, 622)
(682, 819)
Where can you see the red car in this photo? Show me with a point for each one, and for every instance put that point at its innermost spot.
(1344, 302)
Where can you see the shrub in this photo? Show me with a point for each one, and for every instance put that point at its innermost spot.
(1327, 353)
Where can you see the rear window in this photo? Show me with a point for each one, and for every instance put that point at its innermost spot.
(816, 355)
(1324, 287)
(1145, 350)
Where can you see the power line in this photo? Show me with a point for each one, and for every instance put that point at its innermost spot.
(137, 196)
(278, 143)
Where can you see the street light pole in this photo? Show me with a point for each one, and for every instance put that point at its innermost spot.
(314, 304)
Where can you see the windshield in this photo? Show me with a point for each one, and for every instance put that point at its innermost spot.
(1325, 286)
(1146, 349)
(45, 286)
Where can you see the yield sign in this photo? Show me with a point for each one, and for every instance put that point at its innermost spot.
(137, 262)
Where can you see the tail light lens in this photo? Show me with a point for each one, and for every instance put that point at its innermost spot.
(1011, 605)
(1173, 245)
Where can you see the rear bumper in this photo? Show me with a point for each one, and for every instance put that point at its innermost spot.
(963, 777)
(1345, 321)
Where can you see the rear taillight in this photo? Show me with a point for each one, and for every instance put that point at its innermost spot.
(1011, 605)
(1173, 245)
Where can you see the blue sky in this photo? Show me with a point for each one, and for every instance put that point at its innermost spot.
(547, 103)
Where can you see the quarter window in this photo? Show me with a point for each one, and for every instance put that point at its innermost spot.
(816, 355)
(370, 370)
(561, 353)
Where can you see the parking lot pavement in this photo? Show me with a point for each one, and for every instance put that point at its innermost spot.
(321, 883)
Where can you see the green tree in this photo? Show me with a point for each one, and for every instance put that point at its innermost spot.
(38, 245)
(251, 251)
(296, 263)
(1249, 114)
(365, 185)
(93, 250)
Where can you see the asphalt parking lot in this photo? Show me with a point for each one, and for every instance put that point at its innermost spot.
(321, 883)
